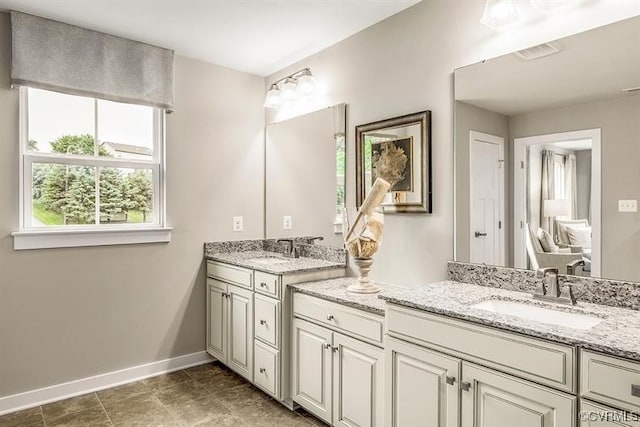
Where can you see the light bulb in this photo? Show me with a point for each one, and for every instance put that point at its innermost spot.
(499, 14)
(289, 89)
(306, 83)
(273, 98)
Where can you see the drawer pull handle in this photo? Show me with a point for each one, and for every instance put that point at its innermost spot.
(262, 370)
(263, 322)
(465, 386)
(327, 346)
(329, 316)
(635, 390)
(263, 285)
(451, 380)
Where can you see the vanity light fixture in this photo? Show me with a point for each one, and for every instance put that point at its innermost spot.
(500, 14)
(299, 84)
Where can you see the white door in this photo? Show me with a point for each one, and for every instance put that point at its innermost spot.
(240, 321)
(421, 386)
(492, 399)
(358, 388)
(487, 198)
(312, 362)
(217, 319)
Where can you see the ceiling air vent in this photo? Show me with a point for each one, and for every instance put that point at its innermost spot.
(536, 52)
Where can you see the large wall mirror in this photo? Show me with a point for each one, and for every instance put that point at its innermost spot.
(547, 148)
(305, 176)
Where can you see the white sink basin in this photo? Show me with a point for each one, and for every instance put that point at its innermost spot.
(269, 260)
(539, 314)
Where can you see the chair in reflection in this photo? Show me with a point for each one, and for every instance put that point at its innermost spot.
(554, 258)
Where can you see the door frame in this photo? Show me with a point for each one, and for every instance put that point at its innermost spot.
(498, 140)
(519, 193)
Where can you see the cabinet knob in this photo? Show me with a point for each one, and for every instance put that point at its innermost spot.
(635, 390)
(451, 380)
(465, 386)
(327, 346)
(334, 349)
(262, 370)
(263, 285)
(329, 316)
(263, 322)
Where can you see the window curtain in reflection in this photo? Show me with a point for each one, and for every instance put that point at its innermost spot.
(571, 184)
(548, 188)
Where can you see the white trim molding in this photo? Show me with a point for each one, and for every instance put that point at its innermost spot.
(30, 399)
(72, 238)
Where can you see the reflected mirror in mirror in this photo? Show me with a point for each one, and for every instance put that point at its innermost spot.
(547, 144)
(305, 176)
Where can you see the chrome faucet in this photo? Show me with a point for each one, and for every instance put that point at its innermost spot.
(571, 267)
(549, 290)
(292, 249)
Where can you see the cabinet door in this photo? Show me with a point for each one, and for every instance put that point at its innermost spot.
(358, 375)
(421, 386)
(312, 358)
(596, 415)
(498, 400)
(240, 318)
(217, 320)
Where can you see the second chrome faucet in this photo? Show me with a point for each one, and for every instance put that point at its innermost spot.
(549, 289)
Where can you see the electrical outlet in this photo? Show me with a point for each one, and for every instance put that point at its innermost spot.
(237, 223)
(627, 206)
(287, 222)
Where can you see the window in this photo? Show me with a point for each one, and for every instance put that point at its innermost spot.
(90, 165)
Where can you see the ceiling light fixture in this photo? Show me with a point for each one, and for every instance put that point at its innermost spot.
(500, 14)
(289, 88)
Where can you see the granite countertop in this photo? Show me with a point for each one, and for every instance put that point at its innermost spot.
(336, 290)
(291, 266)
(618, 334)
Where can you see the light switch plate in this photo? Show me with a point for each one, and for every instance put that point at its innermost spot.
(627, 206)
(287, 222)
(237, 223)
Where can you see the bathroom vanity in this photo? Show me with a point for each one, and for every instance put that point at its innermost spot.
(451, 359)
(248, 309)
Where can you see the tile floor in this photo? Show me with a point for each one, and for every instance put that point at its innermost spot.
(207, 395)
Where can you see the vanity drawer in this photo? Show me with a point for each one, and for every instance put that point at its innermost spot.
(595, 415)
(610, 380)
(351, 321)
(266, 318)
(529, 358)
(268, 284)
(231, 274)
(266, 368)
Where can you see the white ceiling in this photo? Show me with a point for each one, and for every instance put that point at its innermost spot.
(257, 36)
(592, 65)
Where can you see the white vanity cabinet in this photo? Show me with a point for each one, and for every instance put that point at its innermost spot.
(230, 326)
(337, 362)
(443, 372)
(609, 390)
(248, 326)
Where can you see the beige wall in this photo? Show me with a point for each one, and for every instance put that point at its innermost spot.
(468, 118)
(67, 314)
(619, 120)
(421, 47)
(583, 184)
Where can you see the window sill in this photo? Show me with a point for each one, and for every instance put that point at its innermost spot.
(45, 239)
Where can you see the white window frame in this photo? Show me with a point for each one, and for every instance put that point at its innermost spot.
(34, 237)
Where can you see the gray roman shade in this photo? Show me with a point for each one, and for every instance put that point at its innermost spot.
(51, 55)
